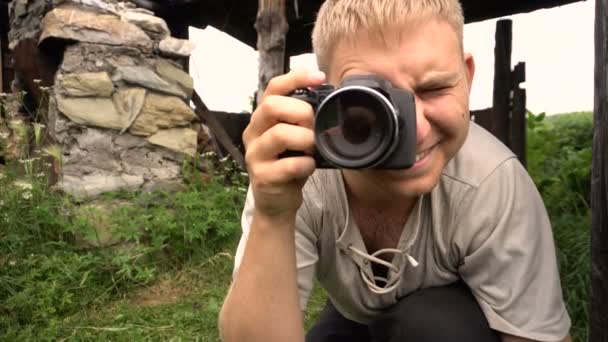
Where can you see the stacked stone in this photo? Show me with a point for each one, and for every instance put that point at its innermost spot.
(120, 103)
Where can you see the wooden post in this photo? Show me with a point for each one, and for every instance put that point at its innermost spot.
(598, 317)
(217, 129)
(272, 27)
(501, 100)
(518, 114)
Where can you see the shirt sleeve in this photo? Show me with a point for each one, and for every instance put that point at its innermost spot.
(510, 264)
(306, 251)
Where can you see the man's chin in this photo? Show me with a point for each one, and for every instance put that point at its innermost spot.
(411, 184)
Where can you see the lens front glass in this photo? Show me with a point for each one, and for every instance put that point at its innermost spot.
(354, 125)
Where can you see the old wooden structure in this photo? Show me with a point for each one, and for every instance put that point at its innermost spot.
(506, 119)
(598, 317)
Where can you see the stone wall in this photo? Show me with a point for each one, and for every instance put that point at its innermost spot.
(119, 106)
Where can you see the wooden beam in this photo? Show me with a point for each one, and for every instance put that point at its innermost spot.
(598, 317)
(483, 117)
(217, 129)
(518, 114)
(271, 26)
(501, 99)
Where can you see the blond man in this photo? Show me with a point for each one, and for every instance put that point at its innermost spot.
(457, 247)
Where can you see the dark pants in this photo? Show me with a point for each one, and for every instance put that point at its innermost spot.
(448, 313)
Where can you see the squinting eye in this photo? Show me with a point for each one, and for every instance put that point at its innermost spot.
(432, 91)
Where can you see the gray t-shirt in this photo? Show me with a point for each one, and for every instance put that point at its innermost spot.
(484, 223)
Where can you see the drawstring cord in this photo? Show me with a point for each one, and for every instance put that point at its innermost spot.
(371, 284)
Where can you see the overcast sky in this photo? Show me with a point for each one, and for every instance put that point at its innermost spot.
(556, 44)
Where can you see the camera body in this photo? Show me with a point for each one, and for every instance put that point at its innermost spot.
(366, 122)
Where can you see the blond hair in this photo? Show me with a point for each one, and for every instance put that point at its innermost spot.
(345, 20)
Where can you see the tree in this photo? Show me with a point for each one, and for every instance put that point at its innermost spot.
(272, 28)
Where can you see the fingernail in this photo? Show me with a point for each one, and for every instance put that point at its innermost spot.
(316, 76)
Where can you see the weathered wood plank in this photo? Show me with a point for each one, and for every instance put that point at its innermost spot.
(518, 114)
(271, 26)
(483, 117)
(598, 313)
(501, 99)
(217, 129)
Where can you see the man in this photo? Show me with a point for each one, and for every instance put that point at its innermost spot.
(456, 248)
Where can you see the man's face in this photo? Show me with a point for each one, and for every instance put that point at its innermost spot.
(424, 58)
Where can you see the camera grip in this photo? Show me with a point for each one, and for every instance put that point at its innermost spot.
(304, 95)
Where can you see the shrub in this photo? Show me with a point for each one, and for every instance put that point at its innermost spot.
(559, 160)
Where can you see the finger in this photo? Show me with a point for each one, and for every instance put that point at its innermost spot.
(283, 171)
(297, 78)
(278, 139)
(278, 109)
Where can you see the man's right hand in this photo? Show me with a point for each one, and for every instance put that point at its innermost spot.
(281, 123)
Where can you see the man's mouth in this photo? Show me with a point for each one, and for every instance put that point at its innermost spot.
(422, 154)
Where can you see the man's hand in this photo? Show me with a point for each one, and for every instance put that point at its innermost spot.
(281, 123)
(263, 301)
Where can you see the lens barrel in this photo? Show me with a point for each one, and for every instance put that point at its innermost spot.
(356, 127)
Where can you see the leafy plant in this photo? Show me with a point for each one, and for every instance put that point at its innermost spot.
(559, 161)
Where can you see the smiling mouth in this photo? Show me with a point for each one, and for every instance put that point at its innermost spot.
(422, 154)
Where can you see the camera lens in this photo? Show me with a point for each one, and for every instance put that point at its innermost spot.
(355, 127)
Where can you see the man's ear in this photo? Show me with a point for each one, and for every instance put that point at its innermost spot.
(469, 64)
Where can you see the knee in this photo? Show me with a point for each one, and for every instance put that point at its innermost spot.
(448, 313)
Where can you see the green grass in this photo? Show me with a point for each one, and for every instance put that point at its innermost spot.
(169, 284)
(181, 306)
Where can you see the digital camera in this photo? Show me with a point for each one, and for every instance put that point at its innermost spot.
(363, 123)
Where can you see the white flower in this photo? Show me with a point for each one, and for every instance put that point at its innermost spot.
(26, 195)
(12, 263)
(23, 185)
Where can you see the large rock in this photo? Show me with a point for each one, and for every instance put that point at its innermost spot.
(160, 112)
(140, 75)
(182, 140)
(103, 5)
(154, 165)
(175, 75)
(174, 47)
(128, 103)
(92, 152)
(92, 111)
(156, 26)
(75, 23)
(96, 84)
(94, 185)
(25, 17)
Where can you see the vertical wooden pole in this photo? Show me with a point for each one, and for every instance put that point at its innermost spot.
(598, 312)
(272, 27)
(501, 99)
(518, 114)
